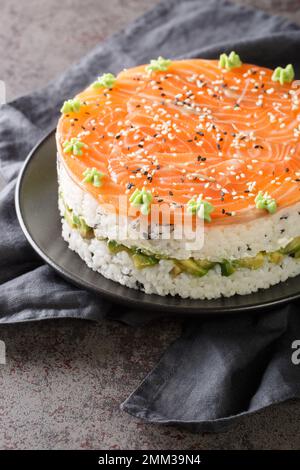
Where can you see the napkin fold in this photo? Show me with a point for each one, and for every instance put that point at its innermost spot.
(220, 368)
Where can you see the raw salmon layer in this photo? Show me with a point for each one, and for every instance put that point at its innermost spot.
(195, 129)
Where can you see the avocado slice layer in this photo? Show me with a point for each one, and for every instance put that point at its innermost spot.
(199, 268)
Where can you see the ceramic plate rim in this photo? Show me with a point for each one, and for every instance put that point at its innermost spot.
(194, 307)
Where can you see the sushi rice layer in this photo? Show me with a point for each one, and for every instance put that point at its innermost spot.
(158, 279)
(230, 242)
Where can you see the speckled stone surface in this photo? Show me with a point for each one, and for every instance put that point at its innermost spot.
(64, 379)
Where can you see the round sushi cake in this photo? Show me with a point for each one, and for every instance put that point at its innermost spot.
(218, 140)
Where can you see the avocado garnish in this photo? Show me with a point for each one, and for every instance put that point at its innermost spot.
(71, 106)
(142, 199)
(266, 202)
(230, 61)
(93, 176)
(201, 208)
(107, 80)
(284, 75)
(158, 65)
(74, 146)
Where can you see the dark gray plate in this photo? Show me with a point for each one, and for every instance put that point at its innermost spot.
(36, 204)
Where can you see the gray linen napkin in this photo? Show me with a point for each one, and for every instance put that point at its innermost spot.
(220, 368)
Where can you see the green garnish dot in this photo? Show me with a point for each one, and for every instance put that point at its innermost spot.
(201, 208)
(107, 80)
(266, 202)
(70, 106)
(93, 176)
(230, 61)
(74, 146)
(142, 199)
(158, 65)
(284, 75)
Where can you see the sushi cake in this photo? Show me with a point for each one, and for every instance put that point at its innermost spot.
(216, 139)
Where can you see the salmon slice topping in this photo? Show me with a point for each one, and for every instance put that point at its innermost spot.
(193, 131)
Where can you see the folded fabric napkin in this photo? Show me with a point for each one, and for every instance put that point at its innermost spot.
(220, 368)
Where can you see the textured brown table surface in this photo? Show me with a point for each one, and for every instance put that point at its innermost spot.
(64, 379)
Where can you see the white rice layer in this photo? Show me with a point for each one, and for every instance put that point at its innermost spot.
(233, 241)
(158, 279)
